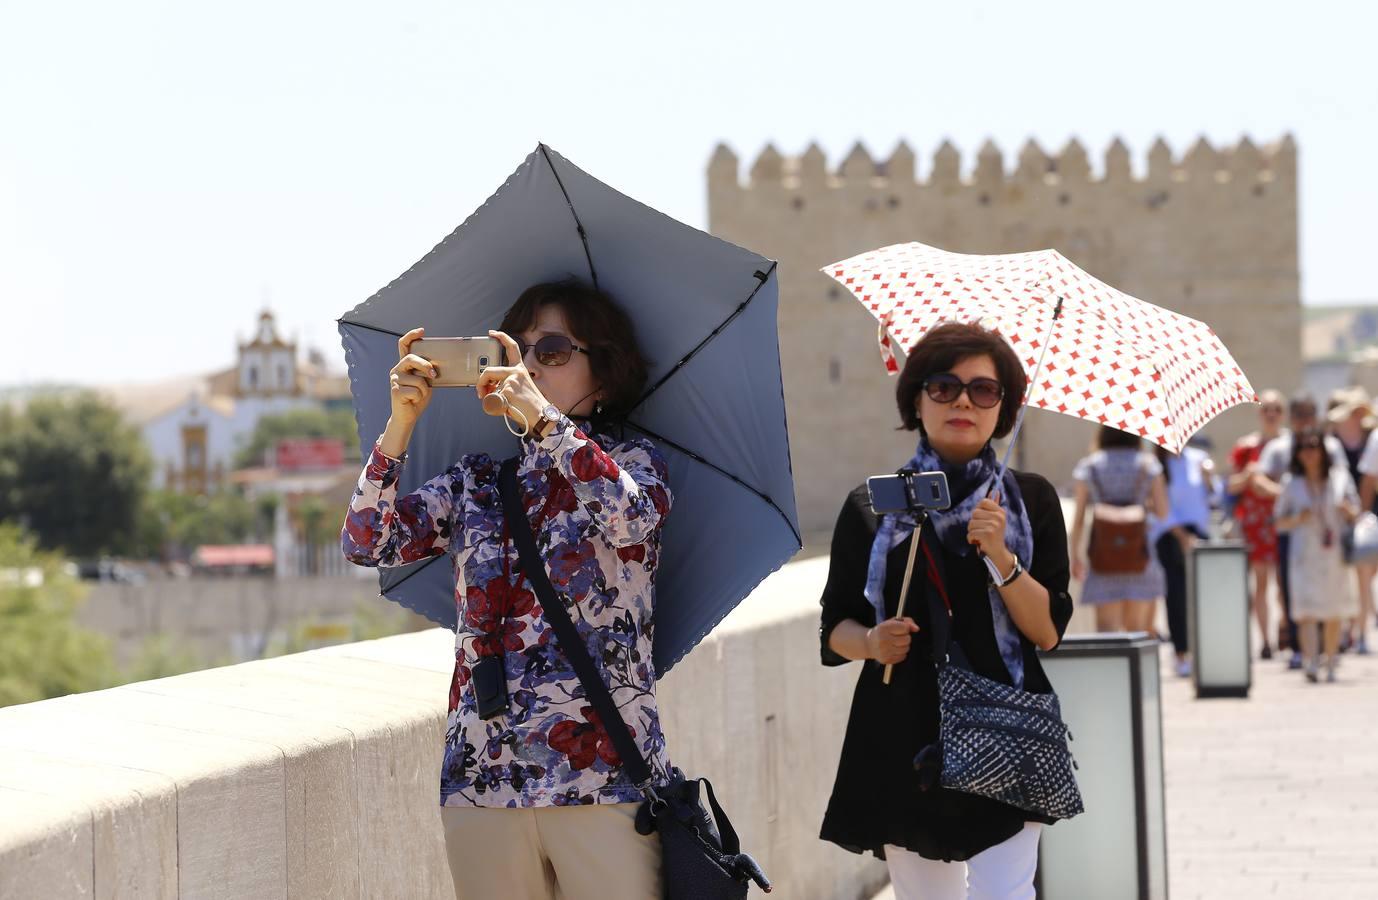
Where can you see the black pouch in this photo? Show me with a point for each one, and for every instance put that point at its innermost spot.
(490, 686)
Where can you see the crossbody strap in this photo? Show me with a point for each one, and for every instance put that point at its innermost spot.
(553, 609)
(939, 617)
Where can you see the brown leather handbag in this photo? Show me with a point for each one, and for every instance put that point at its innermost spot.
(1119, 535)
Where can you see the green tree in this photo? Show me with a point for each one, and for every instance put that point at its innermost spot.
(174, 523)
(73, 473)
(266, 509)
(309, 422)
(43, 652)
(316, 522)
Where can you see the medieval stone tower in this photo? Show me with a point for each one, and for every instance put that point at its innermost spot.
(1212, 235)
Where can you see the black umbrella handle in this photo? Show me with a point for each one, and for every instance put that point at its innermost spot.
(553, 609)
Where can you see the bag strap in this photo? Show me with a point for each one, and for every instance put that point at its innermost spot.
(553, 609)
(727, 835)
(945, 648)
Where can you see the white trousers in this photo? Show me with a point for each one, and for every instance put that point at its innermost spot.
(1002, 872)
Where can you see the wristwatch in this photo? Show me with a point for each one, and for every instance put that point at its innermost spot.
(550, 420)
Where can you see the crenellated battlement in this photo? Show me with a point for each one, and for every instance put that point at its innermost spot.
(1204, 229)
(1244, 164)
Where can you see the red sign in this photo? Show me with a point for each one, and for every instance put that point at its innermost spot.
(310, 453)
(233, 555)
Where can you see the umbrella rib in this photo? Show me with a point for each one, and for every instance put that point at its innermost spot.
(761, 279)
(719, 469)
(396, 334)
(583, 235)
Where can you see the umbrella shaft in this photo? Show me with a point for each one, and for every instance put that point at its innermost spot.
(1024, 407)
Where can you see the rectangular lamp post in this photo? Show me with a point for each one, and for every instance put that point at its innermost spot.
(1108, 687)
(1218, 613)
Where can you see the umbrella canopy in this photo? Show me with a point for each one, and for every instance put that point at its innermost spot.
(705, 317)
(1091, 351)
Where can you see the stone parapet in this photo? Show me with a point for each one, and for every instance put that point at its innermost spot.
(316, 775)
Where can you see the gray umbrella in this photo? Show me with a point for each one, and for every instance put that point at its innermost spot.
(704, 312)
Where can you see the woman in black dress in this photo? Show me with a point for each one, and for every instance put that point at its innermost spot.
(961, 386)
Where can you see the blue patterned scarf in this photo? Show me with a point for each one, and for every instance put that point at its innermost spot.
(968, 485)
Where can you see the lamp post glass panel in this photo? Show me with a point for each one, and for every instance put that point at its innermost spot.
(1219, 620)
(1108, 686)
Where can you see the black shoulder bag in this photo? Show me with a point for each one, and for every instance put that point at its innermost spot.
(994, 740)
(701, 854)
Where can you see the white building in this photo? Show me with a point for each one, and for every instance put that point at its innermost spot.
(194, 440)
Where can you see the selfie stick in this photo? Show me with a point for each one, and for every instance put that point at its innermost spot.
(904, 588)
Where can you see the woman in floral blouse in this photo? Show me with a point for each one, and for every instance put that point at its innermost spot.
(534, 801)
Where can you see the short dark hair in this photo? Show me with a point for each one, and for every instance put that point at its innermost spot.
(595, 320)
(1302, 401)
(1308, 436)
(945, 346)
(1109, 437)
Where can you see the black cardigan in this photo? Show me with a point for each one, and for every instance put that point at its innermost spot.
(876, 798)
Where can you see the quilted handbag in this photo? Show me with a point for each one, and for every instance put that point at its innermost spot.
(995, 740)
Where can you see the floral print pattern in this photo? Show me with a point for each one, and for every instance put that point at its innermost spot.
(596, 506)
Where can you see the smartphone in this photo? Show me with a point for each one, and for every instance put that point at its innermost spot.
(458, 361)
(908, 491)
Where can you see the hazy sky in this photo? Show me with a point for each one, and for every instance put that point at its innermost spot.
(166, 168)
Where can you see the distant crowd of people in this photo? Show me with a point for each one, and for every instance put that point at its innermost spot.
(1299, 495)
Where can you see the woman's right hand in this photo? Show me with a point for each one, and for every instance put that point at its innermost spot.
(410, 381)
(888, 642)
(1079, 567)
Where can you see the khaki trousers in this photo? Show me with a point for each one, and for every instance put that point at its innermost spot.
(551, 853)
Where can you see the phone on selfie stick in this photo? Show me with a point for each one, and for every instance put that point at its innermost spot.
(911, 492)
(908, 492)
(458, 361)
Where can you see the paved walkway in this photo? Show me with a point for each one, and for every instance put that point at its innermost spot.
(1276, 795)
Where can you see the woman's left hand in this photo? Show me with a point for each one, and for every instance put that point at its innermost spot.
(987, 527)
(512, 382)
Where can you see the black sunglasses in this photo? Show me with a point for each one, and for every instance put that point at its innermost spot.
(946, 388)
(551, 350)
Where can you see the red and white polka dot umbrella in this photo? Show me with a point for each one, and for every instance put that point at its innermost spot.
(1106, 357)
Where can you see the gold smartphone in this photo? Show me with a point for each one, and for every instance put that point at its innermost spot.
(458, 361)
